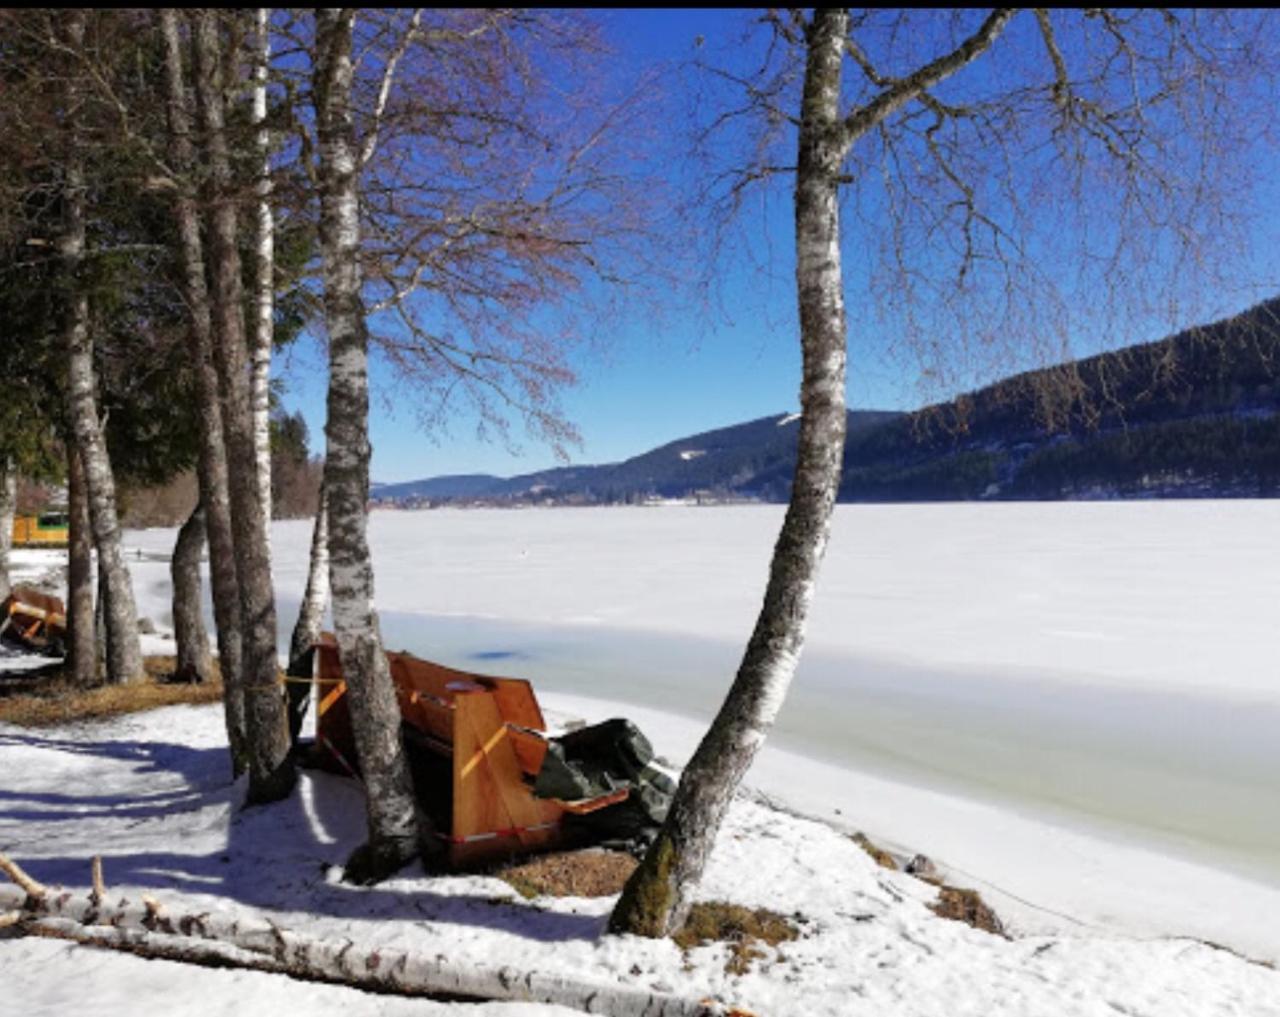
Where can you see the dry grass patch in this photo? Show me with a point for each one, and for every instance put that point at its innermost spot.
(966, 906)
(878, 854)
(743, 929)
(590, 873)
(55, 700)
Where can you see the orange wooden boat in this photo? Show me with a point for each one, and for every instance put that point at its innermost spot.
(482, 741)
(37, 619)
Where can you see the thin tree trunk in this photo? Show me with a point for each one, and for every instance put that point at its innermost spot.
(656, 899)
(224, 581)
(101, 633)
(8, 505)
(124, 652)
(271, 771)
(264, 270)
(393, 822)
(81, 645)
(306, 633)
(188, 615)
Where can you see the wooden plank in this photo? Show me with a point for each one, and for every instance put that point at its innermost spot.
(490, 792)
(333, 716)
(494, 811)
(423, 699)
(582, 806)
(531, 749)
(517, 702)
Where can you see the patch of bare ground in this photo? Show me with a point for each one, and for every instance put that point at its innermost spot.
(56, 700)
(743, 929)
(593, 872)
(878, 854)
(967, 906)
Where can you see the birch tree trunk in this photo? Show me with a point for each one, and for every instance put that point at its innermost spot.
(81, 647)
(393, 822)
(306, 632)
(271, 772)
(8, 504)
(188, 617)
(264, 271)
(101, 634)
(212, 463)
(178, 930)
(656, 899)
(124, 652)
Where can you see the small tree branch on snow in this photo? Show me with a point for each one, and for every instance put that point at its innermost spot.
(16, 873)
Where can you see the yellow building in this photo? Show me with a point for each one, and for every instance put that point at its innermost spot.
(48, 529)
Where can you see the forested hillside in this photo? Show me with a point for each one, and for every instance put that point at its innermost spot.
(1190, 415)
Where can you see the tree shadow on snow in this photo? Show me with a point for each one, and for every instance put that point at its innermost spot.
(281, 856)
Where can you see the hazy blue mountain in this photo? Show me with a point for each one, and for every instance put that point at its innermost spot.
(463, 485)
(741, 461)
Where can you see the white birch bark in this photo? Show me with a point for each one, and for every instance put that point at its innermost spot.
(188, 617)
(306, 632)
(8, 504)
(393, 823)
(271, 772)
(224, 580)
(124, 650)
(264, 270)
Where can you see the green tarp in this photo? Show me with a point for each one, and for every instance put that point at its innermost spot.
(597, 760)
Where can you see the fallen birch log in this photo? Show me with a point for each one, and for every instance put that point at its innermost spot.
(148, 928)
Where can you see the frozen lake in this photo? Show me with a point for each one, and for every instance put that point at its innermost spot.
(1196, 774)
(1116, 661)
(1107, 666)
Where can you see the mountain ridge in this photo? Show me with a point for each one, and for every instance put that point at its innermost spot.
(1194, 414)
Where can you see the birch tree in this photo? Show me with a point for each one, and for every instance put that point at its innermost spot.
(124, 651)
(271, 773)
(1105, 98)
(473, 202)
(504, 216)
(263, 264)
(394, 833)
(212, 464)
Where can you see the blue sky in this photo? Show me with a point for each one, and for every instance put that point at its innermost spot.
(651, 381)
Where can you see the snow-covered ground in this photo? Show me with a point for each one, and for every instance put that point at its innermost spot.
(150, 794)
(1071, 706)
